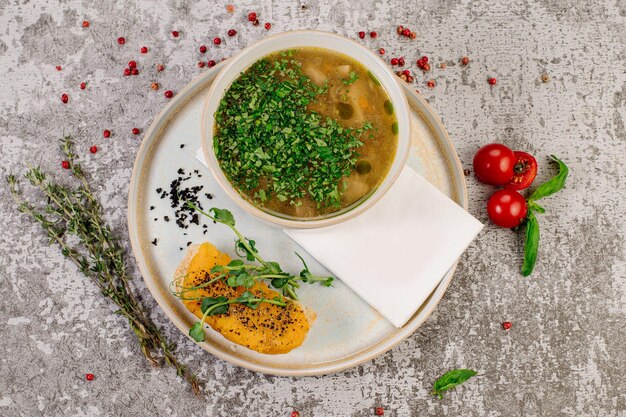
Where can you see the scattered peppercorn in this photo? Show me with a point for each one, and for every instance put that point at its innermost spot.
(443, 65)
(230, 8)
(106, 133)
(379, 411)
(431, 83)
(175, 33)
(85, 23)
(373, 35)
(295, 414)
(134, 71)
(65, 164)
(394, 61)
(168, 94)
(267, 25)
(144, 50)
(466, 172)
(154, 86)
(93, 149)
(381, 51)
(160, 67)
(83, 85)
(251, 17)
(211, 63)
(507, 325)
(401, 61)
(217, 41)
(545, 77)
(426, 67)
(492, 81)
(202, 49)
(232, 32)
(135, 131)
(406, 32)
(362, 35)
(121, 40)
(89, 377)
(58, 68)
(413, 35)
(255, 23)
(201, 64)
(132, 64)
(65, 98)
(400, 29)
(464, 60)
(126, 72)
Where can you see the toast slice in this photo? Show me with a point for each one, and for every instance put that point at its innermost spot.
(269, 328)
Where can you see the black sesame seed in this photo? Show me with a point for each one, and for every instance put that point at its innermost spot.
(182, 145)
(151, 207)
(158, 190)
(154, 242)
(188, 243)
(166, 218)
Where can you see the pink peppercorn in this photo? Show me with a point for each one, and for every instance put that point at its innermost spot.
(492, 81)
(362, 35)
(168, 94)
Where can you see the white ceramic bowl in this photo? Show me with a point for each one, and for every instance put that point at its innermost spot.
(295, 39)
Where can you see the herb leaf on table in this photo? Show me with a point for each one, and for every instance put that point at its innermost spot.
(74, 214)
(531, 245)
(451, 379)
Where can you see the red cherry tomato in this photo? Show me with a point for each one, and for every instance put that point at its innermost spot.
(524, 171)
(506, 208)
(493, 164)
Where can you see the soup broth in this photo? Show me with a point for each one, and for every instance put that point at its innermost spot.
(305, 132)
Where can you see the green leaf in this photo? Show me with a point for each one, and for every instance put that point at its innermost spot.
(279, 282)
(235, 263)
(451, 379)
(535, 207)
(197, 332)
(531, 246)
(223, 216)
(209, 302)
(553, 185)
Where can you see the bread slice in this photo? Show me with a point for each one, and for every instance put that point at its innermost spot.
(267, 329)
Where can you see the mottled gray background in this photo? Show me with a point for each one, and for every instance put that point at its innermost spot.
(564, 356)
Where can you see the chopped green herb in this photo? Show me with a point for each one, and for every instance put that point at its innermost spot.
(269, 143)
(352, 78)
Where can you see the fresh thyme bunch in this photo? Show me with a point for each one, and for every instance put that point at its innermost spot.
(98, 254)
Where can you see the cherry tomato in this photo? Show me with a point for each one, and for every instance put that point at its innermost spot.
(506, 208)
(524, 171)
(493, 164)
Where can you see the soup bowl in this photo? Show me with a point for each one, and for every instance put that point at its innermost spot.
(300, 39)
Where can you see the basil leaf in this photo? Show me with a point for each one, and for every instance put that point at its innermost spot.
(535, 207)
(531, 246)
(553, 185)
(197, 332)
(451, 379)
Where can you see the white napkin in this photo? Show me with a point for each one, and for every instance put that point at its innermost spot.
(394, 255)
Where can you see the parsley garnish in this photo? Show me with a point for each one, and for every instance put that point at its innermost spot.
(271, 145)
(351, 79)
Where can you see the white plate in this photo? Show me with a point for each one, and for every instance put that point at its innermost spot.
(347, 331)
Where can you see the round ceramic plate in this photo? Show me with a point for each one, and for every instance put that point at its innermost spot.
(347, 331)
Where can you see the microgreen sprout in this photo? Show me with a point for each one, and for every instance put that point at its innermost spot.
(238, 273)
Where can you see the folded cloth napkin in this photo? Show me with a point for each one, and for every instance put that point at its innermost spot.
(394, 255)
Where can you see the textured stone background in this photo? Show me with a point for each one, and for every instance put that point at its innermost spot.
(566, 352)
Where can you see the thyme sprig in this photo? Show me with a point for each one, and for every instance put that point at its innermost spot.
(240, 274)
(98, 255)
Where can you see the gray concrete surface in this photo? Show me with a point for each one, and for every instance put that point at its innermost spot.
(566, 352)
